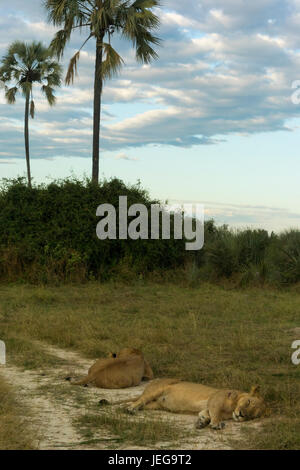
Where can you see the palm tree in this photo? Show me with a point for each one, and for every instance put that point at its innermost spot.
(101, 19)
(22, 66)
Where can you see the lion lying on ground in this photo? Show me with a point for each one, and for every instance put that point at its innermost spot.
(124, 369)
(212, 405)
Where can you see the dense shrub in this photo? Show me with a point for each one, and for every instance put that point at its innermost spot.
(50, 231)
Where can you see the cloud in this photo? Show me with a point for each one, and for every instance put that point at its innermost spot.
(225, 68)
(124, 156)
(247, 216)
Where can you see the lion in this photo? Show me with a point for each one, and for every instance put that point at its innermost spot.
(120, 370)
(212, 405)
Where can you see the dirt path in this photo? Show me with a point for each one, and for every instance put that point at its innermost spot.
(54, 406)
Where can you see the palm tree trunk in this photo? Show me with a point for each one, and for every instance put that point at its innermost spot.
(97, 110)
(26, 134)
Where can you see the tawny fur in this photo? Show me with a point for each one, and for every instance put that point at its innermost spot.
(124, 369)
(212, 405)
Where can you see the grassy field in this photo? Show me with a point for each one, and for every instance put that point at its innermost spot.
(209, 334)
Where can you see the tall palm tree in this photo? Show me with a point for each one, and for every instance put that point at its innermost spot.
(101, 19)
(22, 66)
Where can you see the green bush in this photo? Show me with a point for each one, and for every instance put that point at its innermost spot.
(49, 232)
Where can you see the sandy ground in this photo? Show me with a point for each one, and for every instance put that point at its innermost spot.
(52, 406)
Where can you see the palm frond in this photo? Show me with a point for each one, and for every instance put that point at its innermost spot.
(101, 19)
(69, 13)
(51, 71)
(138, 23)
(10, 94)
(112, 62)
(53, 79)
(145, 53)
(59, 42)
(143, 4)
(57, 10)
(49, 93)
(32, 109)
(72, 69)
(17, 48)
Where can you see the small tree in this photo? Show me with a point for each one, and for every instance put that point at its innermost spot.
(133, 20)
(22, 66)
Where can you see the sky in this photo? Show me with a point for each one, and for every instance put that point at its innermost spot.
(211, 121)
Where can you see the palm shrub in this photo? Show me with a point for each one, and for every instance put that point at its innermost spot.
(101, 20)
(284, 257)
(22, 67)
(221, 253)
(251, 246)
(254, 273)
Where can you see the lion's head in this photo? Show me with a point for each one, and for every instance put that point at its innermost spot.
(126, 352)
(249, 406)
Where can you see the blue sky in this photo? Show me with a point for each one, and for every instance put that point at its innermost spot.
(211, 121)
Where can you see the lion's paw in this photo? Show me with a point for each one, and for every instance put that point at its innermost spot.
(103, 402)
(202, 423)
(218, 427)
(130, 410)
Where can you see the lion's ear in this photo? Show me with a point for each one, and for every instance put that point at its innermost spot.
(112, 355)
(255, 390)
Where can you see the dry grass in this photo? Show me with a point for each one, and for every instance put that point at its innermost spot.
(138, 431)
(206, 334)
(14, 432)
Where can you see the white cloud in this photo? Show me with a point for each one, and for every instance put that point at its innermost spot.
(124, 156)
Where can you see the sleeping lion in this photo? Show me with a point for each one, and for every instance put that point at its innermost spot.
(212, 405)
(124, 369)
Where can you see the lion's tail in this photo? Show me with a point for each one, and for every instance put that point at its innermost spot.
(126, 400)
(85, 381)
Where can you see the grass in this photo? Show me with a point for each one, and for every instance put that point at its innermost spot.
(27, 355)
(14, 432)
(282, 434)
(122, 428)
(209, 334)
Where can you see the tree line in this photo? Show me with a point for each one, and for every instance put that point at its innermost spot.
(48, 234)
